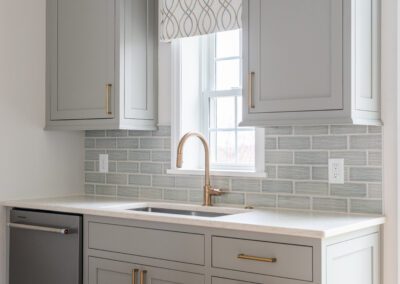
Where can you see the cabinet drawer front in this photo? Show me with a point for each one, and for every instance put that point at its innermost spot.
(292, 261)
(167, 245)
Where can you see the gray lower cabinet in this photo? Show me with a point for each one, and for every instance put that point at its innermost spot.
(101, 67)
(118, 251)
(308, 61)
(105, 271)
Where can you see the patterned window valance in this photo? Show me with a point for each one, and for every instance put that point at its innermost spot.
(185, 18)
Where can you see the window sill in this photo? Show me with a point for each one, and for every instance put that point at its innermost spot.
(218, 173)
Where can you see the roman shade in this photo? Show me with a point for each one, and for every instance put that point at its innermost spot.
(186, 18)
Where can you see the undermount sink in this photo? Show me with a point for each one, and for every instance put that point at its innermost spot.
(179, 212)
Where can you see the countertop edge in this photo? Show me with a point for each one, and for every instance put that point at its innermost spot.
(215, 223)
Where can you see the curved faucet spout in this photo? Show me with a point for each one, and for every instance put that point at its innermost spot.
(208, 190)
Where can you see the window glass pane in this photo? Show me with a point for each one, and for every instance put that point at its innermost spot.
(213, 112)
(227, 74)
(228, 44)
(246, 147)
(226, 112)
(213, 146)
(225, 147)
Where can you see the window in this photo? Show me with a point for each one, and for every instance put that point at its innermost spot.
(207, 97)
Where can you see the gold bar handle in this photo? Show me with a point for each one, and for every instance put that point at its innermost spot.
(134, 275)
(108, 99)
(256, 258)
(250, 89)
(143, 276)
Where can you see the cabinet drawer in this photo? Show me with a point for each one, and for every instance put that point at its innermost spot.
(292, 261)
(167, 245)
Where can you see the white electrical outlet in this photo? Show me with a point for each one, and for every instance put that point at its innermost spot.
(336, 171)
(103, 163)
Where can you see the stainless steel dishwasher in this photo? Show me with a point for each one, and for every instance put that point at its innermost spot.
(45, 248)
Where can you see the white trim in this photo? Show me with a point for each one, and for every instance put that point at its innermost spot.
(175, 98)
(199, 172)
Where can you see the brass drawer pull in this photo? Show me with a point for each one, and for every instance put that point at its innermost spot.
(143, 276)
(108, 99)
(256, 258)
(250, 89)
(134, 275)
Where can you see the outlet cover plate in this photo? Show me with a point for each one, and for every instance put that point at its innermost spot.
(336, 171)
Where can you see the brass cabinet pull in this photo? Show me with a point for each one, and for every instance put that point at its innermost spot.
(250, 89)
(134, 275)
(108, 99)
(143, 276)
(256, 258)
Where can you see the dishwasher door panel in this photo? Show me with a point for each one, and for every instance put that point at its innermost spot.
(41, 257)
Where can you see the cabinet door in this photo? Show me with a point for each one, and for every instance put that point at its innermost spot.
(140, 34)
(104, 271)
(355, 261)
(83, 51)
(293, 55)
(155, 275)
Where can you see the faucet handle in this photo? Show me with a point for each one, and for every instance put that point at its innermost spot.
(216, 192)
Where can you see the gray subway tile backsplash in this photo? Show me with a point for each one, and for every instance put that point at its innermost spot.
(348, 129)
(330, 204)
(366, 174)
(311, 158)
(296, 164)
(294, 142)
(277, 186)
(246, 185)
(128, 191)
(106, 143)
(311, 130)
(366, 142)
(127, 143)
(278, 157)
(260, 200)
(311, 188)
(127, 167)
(329, 142)
(294, 202)
(139, 155)
(351, 158)
(349, 190)
(294, 172)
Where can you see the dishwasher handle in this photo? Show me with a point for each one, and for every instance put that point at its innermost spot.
(61, 231)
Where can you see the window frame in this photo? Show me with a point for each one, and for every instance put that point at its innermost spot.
(209, 91)
(221, 170)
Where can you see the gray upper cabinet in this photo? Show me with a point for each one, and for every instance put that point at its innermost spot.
(101, 64)
(311, 62)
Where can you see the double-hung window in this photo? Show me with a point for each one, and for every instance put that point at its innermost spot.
(207, 97)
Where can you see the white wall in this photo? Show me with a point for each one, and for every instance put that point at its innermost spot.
(33, 162)
(390, 116)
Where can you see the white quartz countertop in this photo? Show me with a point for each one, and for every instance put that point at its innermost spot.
(287, 222)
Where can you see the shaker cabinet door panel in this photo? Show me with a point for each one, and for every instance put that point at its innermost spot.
(84, 80)
(139, 74)
(104, 271)
(156, 275)
(294, 55)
